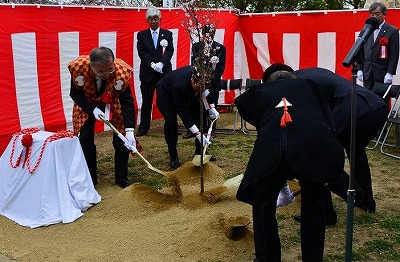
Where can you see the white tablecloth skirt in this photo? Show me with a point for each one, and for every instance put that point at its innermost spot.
(57, 191)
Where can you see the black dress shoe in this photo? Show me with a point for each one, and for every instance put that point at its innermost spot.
(367, 206)
(123, 182)
(213, 158)
(330, 220)
(174, 162)
(188, 135)
(141, 133)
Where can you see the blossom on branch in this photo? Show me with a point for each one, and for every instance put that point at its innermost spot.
(199, 24)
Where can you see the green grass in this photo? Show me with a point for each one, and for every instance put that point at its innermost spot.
(376, 237)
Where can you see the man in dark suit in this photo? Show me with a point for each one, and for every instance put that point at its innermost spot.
(219, 51)
(378, 59)
(155, 49)
(371, 113)
(100, 82)
(292, 121)
(174, 93)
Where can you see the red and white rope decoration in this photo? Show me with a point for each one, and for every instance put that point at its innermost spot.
(25, 131)
(25, 142)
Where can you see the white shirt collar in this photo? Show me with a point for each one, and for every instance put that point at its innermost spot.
(157, 30)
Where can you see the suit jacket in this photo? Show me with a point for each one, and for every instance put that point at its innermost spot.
(340, 102)
(176, 88)
(310, 148)
(149, 54)
(220, 52)
(369, 59)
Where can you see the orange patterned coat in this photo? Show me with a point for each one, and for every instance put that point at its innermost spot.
(83, 77)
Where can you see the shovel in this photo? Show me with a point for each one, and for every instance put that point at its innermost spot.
(134, 150)
(236, 180)
(197, 158)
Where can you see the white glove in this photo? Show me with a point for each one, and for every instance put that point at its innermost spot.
(97, 112)
(388, 79)
(130, 139)
(213, 113)
(206, 93)
(285, 197)
(153, 65)
(197, 133)
(360, 75)
(159, 67)
(206, 140)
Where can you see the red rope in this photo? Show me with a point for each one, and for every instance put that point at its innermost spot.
(56, 136)
(25, 131)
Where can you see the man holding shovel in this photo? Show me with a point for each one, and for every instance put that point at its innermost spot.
(175, 91)
(292, 120)
(100, 86)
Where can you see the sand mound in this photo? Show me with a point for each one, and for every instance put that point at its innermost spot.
(139, 223)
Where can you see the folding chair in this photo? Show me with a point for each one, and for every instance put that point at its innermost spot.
(390, 92)
(392, 120)
(249, 131)
(229, 85)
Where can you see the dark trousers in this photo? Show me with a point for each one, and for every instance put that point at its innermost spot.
(340, 188)
(147, 89)
(369, 83)
(266, 236)
(86, 138)
(367, 127)
(169, 112)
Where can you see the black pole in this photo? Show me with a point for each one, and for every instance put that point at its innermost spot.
(351, 59)
(201, 139)
(351, 190)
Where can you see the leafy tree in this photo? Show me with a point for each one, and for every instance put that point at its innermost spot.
(245, 6)
(262, 6)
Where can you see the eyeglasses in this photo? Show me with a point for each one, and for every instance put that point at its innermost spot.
(103, 73)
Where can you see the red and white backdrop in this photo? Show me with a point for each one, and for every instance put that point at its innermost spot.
(37, 42)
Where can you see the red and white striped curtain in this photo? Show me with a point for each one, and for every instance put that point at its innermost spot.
(37, 42)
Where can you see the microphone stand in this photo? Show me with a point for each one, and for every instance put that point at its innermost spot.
(370, 25)
(351, 190)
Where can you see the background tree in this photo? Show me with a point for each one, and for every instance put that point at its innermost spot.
(244, 6)
(262, 6)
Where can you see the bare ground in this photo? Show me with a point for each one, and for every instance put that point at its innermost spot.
(156, 221)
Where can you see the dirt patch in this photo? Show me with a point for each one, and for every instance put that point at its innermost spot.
(176, 223)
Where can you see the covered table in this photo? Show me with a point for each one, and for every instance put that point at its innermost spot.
(49, 185)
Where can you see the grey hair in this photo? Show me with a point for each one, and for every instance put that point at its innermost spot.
(101, 55)
(379, 5)
(152, 11)
(281, 75)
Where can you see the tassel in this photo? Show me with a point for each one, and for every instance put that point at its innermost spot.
(286, 118)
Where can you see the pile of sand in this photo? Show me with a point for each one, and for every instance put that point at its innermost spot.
(139, 223)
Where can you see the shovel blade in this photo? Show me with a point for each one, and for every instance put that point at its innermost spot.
(233, 182)
(197, 159)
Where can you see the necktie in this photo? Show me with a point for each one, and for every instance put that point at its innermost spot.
(155, 38)
(98, 84)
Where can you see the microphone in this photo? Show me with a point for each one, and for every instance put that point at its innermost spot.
(370, 25)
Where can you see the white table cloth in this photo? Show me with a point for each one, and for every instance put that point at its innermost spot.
(57, 191)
